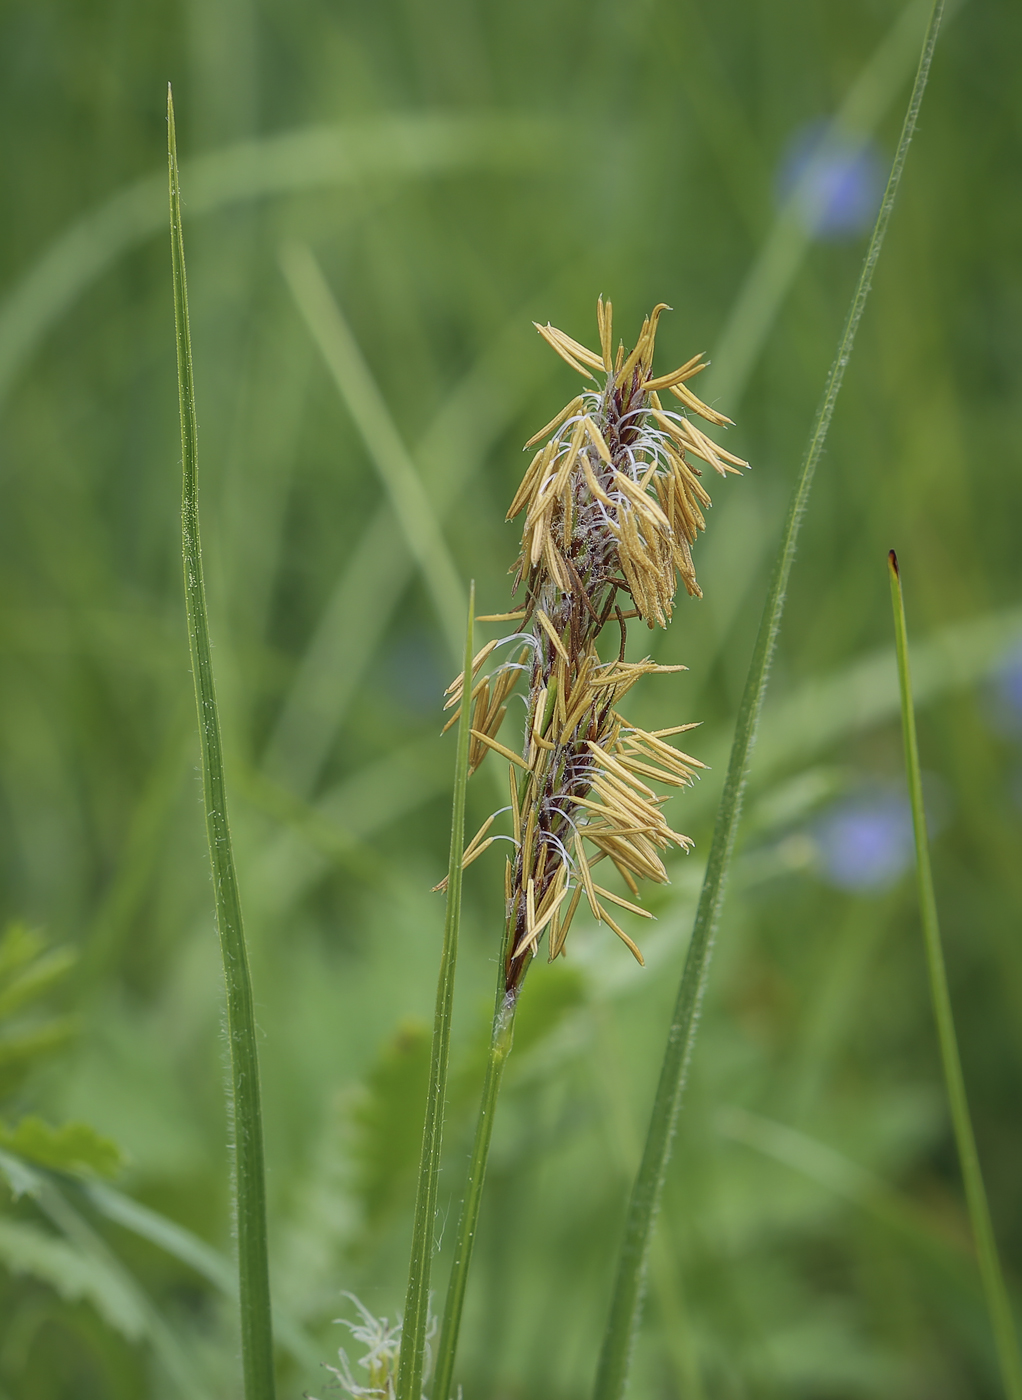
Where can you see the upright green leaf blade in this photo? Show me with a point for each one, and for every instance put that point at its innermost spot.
(416, 1314)
(249, 1169)
(972, 1175)
(626, 1301)
(501, 1037)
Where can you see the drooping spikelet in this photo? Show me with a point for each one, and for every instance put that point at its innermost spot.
(612, 506)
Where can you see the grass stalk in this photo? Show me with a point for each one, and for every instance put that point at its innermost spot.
(244, 1105)
(416, 1313)
(501, 1039)
(411, 503)
(784, 251)
(626, 1300)
(1005, 1337)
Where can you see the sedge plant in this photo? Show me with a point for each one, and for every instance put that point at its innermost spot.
(613, 503)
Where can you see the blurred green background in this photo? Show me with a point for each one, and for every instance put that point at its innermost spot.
(378, 201)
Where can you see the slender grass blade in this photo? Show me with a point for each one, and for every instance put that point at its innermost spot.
(501, 1039)
(416, 1313)
(1005, 1337)
(419, 146)
(246, 1110)
(626, 1301)
(411, 503)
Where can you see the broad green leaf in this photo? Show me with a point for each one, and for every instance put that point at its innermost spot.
(22, 1179)
(387, 1122)
(83, 1261)
(36, 979)
(21, 1048)
(75, 1148)
(181, 1244)
(550, 1000)
(27, 1249)
(19, 944)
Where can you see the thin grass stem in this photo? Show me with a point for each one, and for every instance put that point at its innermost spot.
(501, 1038)
(784, 251)
(416, 146)
(626, 1300)
(244, 1105)
(1005, 1337)
(409, 499)
(416, 1313)
(472, 416)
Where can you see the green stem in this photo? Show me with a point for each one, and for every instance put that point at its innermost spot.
(416, 1313)
(501, 1038)
(626, 1301)
(998, 1306)
(246, 1112)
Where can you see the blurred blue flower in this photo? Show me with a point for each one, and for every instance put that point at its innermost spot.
(839, 181)
(866, 842)
(413, 675)
(1007, 693)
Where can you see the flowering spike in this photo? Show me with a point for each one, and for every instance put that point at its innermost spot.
(612, 508)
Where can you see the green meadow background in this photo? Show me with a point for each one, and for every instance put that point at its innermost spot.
(379, 200)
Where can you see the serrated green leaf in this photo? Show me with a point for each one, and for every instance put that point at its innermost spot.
(27, 971)
(19, 944)
(20, 1049)
(37, 978)
(181, 1244)
(22, 1179)
(387, 1117)
(75, 1148)
(550, 999)
(388, 1125)
(25, 1249)
(79, 1264)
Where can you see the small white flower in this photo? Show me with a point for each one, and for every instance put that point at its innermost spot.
(383, 1338)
